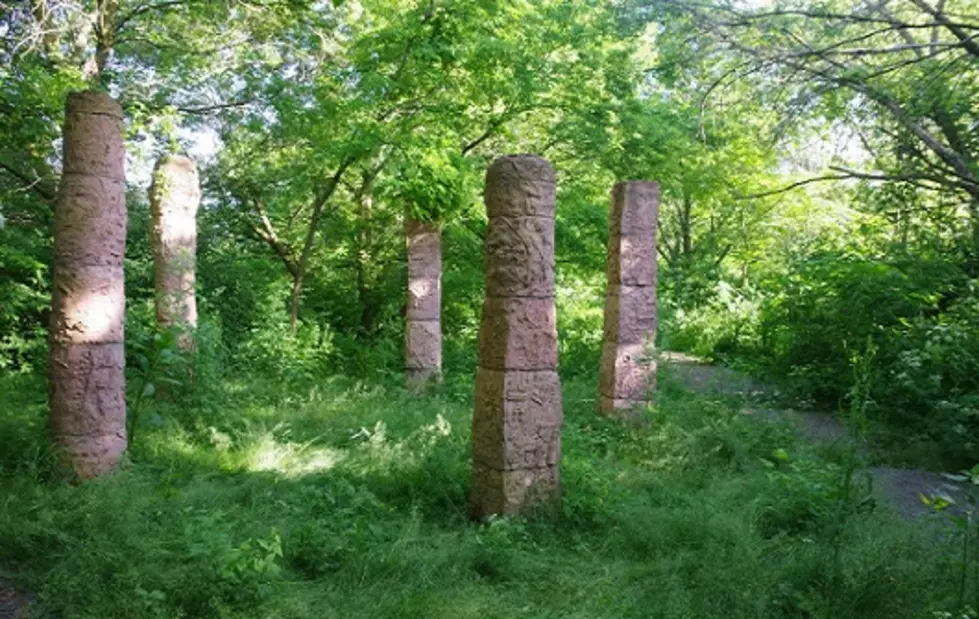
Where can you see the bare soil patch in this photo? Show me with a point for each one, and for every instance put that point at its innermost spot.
(13, 603)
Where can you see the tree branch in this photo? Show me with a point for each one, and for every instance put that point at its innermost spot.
(145, 8)
(34, 184)
(958, 164)
(206, 109)
(267, 233)
(322, 198)
(969, 43)
(848, 174)
(485, 135)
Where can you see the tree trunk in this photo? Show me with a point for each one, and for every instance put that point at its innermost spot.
(686, 227)
(174, 198)
(972, 254)
(302, 264)
(295, 299)
(86, 364)
(365, 240)
(423, 329)
(105, 38)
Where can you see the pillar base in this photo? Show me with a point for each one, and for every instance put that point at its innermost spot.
(422, 379)
(511, 493)
(617, 408)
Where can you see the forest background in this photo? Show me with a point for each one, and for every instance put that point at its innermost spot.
(819, 163)
(818, 166)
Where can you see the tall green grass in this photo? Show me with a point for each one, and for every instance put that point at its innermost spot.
(347, 499)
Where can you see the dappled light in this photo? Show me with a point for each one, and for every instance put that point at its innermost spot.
(370, 514)
(96, 314)
(291, 459)
(422, 290)
(578, 309)
(181, 230)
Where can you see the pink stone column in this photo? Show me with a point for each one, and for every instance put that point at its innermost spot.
(627, 372)
(423, 330)
(86, 362)
(174, 198)
(517, 417)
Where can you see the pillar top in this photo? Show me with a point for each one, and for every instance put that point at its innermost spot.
(639, 182)
(93, 102)
(178, 161)
(520, 186)
(634, 211)
(644, 189)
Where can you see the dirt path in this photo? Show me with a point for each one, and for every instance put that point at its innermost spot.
(901, 488)
(13, 603)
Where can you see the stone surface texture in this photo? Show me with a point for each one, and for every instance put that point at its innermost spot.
(423, 314)
(86, 362)
(627, 373)
(175, 196)
(517, 416)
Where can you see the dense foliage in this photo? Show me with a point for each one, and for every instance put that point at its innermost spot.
(819, 163)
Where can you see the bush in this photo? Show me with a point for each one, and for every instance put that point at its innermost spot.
(930, 383)
(272, 349)
(721, 328)
(826, 307)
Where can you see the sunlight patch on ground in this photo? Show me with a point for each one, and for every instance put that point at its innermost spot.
(292, 459)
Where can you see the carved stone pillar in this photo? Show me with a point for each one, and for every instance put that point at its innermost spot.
(174, 197)
(518, 416)
(86, 358)
(423, 329)
(628, 371)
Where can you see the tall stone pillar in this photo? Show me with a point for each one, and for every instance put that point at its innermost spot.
(628, 371)
(175, 195)
(517, 417)
(86, 360)
(423, 329)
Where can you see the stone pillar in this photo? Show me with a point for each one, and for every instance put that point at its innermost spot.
(423, 329)
(517, 417)
(86, 362)
(627, 371)
(175, 195)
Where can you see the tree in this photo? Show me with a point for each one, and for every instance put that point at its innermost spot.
(405, 82)
(901, 73)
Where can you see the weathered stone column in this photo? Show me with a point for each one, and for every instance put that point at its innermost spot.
(86, 362)
(517, 418)
(628, 371)
(175, 195)
(423, 329)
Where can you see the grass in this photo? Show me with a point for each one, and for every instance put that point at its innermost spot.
(346, 499)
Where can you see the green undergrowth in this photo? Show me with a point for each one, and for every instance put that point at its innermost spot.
(346, 499)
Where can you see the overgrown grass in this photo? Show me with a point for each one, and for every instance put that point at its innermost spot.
(344, 499)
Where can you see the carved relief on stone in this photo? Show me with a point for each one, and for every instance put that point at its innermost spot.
(627, 372)
(518, 415)
(423, 327)
(86, 359)
(175, 196)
